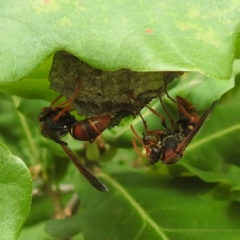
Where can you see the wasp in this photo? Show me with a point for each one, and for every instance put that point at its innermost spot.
(168, 144)
(56, 122)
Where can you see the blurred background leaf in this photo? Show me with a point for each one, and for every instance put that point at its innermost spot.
(15, 200)
(139, 206)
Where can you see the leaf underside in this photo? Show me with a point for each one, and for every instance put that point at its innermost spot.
(141, 36)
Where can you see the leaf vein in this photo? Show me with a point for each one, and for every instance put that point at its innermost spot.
(135, 205)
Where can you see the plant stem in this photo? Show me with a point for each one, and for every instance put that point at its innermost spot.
(26, 129)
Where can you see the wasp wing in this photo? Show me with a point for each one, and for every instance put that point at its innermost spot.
(95, 182)
(172, 156)
(196, 128)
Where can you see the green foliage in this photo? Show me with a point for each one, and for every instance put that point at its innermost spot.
(163, 202)
(140, 206)
(142, 36)
(16, 190)
(197, 198)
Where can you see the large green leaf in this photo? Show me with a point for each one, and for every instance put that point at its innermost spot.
(15, 198)
(144, 36)
(140, 206)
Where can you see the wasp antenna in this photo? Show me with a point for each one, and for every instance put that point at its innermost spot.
(137, 149)
(136, 135)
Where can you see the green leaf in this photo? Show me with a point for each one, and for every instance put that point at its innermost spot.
(34, 86)
(140, 206)
(92, 151)
(35, 232)
(16, 190)
(142, 36)
(202, 90)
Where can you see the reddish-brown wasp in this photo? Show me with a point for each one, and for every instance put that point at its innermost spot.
(169, 145)
(56, 122)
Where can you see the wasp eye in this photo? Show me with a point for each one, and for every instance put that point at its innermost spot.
(154, 154)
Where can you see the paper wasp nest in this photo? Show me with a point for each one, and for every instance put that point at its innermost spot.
(104, 92)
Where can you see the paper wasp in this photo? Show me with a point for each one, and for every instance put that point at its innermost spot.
(56, 122)
(168, 144)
